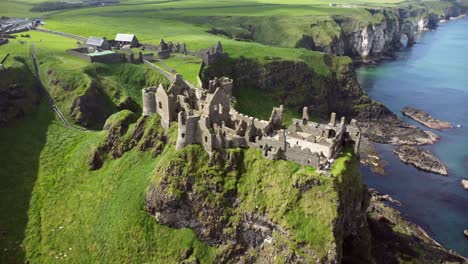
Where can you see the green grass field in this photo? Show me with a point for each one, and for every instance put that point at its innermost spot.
(53, 209)
(56, 207)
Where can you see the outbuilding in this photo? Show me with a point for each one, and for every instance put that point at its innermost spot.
(98, 43)
(126, 39)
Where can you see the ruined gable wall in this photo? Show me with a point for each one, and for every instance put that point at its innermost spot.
(219, 107)
(259, 124)
(302, 156)
(165, 107)
(205, 136)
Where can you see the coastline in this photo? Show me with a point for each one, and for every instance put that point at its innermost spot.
(396, 169)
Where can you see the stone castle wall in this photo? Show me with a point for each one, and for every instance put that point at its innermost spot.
(205, 117)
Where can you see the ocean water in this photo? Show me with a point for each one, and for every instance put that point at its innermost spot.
(433, 76)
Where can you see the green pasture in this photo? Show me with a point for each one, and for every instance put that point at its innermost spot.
(54, 209)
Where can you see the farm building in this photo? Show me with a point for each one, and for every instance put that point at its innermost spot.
(98, 43)
(126, 39)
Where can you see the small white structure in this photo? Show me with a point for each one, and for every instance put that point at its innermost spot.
(126, 39)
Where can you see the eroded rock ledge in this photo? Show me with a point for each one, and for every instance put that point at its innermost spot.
(425, 119)
(421, 159)
(380, 125)
(395, 240)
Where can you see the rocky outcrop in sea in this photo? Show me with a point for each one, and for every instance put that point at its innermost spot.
(421, 159)
(425, 119)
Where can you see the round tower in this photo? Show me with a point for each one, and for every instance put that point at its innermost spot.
(182, 133)
(149, 102)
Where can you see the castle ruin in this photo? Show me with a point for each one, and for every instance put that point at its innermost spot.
(205, 117)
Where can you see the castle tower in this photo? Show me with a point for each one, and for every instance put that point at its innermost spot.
(227, 85)
(332, 119)
(282, 139)
(149, 101)
(342, 122)
(276, 118)
(182, 133)
(305, 114)
(219, 48)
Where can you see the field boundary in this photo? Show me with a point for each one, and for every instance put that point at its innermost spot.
(45, 93)
(63, 34)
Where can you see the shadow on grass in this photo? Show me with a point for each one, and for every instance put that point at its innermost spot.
(21, 143)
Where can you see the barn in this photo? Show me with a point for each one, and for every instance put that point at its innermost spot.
(126, 39)
(98, 43)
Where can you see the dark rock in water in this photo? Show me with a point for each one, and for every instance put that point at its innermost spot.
(425, 119)
(421, 159)
(465, 232)
(376, 196)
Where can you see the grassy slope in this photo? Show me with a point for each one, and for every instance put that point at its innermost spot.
(67, 77)
(48, 186)
(102, 213)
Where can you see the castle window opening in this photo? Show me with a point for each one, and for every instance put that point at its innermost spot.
(206, 139)
(331, 133)
(215, 107)
(220, 109)
(183, 135)
(160, 105)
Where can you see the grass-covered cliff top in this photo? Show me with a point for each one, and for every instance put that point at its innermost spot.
(58, 210)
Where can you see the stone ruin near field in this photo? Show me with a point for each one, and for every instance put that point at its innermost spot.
(205, 117)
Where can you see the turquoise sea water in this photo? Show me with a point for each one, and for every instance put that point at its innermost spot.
(433, 76)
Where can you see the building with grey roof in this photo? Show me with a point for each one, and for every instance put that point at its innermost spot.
(98, 43)
(126, 39)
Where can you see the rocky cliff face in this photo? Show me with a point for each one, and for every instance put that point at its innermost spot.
(382, 38)
(217, 200)
(295, 83)
(395, 240)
